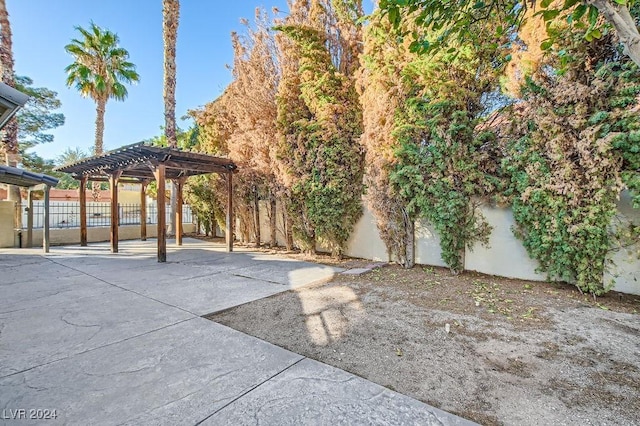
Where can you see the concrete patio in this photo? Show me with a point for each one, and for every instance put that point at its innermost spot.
(107, 338)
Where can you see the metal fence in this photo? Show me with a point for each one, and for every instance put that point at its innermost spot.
(66, 214)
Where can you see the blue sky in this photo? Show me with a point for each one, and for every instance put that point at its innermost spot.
(41, 29)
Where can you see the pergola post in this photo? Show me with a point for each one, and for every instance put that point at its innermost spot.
(113, 186)
(29, 243)
(179, 185)
(82, 195)
(45, 236)
(160, 174)
(143, 210)
(229, 218)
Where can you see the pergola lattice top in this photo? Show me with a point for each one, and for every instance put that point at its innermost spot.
(136, 162)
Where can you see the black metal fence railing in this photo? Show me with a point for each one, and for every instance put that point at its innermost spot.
(66, 214)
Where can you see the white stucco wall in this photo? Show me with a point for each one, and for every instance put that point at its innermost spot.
(365, 241)
(427, 245)
(7, 233)
(505, 255)
(624, 267)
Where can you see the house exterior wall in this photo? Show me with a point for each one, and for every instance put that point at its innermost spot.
(7, 233)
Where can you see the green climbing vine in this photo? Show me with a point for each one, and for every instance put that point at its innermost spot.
(577, 149)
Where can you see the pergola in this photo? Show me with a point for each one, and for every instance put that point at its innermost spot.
(139, 163)
(31, 180)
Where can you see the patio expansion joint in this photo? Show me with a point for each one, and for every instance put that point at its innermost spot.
(124, 288)
(221, 272)
(248, 391)
(257, 279)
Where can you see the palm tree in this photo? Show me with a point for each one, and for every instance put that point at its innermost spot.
(99, 71)
(170, 21)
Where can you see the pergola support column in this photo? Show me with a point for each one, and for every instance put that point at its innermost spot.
(45, 235)
(179, 186)
(160, 174)
(82, 195)
(29, 243)
(229, 219)
(113, 186)
(143, 210)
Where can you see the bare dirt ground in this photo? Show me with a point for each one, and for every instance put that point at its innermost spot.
(492, 350)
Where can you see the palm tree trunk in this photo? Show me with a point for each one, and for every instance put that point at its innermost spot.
(10, 130)
(170, 21)
(101, 105)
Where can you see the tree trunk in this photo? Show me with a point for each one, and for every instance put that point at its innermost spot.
(288, 230)
(618, 15)
(409, 228)
(170, 21)
(256, 211)
(273, 219)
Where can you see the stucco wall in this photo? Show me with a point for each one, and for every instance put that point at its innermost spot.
(624, 267)
(365, 241)
(427, 244)
(505, 255)
(7, 234)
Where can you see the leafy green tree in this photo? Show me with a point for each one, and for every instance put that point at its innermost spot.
(186, 140)
(460, 21)
(441, 170)
(252, 142)
(291, 109)
(100, 71)
(326, 160)
(10, 130)
(69, 156)
(38, 116)
(382, 93)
